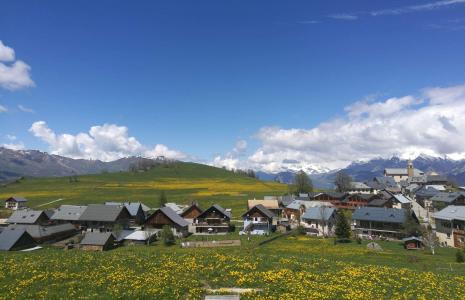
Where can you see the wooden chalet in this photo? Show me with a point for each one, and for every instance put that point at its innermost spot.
(103, 218)
(192, 212)
(165, 216)
(214, 220)
(137, 211)
(272, 205)
(258, 221)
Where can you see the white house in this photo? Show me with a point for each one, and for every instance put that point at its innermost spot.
(15, 203)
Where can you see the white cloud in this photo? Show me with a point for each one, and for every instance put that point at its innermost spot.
(106, 142)
(162, 150)
(25, 109)
(406, 126)
(415, 8)
(12, 146)
(11, 137)
(6, 53)
(346, 17)
(3, 109)
(231, 160)
(14, 75)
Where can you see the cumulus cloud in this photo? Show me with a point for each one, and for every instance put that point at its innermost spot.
(432, 124)
(14, 74)
(232, 159)
(104, 142)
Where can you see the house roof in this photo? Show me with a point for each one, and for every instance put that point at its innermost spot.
(296, 204)
(402, 171)
(187, 209)
(451, 212)
(175, 207)
(426, 192)
(25, 216)
(101, 212)
(436, 178)
(380, 214)
(38, 231)
(359, 185)
(377, 202)
(96, 238)
(402, 199)
(132, 207)
(140, 235)
(262, 209)
(173, 216)
(68, 212)
(317, 213)
(270, 204)
(217, 207)
(17, 199)
(9, 237)
(446, 197)
(412, 238)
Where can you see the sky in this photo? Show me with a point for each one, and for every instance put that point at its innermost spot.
(268, 85)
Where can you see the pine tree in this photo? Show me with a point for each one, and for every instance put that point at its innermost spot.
(167, 236)
(162, 199)
(342, 230)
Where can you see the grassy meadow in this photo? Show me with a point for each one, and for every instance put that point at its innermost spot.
(293, 267)
(182, 183)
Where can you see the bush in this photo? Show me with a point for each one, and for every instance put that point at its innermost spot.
(459, 257)
(301, 230)
(358, 239)
(167, 236)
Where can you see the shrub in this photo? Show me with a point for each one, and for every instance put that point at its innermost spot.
(301, 230)
(167, 236)
(459, 257)
(358, 239)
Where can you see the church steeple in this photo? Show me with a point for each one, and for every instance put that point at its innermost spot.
(410, 168)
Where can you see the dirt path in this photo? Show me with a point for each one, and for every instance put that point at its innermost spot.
(57, 200)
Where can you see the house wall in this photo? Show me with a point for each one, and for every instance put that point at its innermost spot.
(192, 213)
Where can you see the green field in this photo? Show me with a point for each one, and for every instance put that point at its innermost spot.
(288, 268)
(182, 182)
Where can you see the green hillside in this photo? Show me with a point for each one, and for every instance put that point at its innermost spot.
(182, 182)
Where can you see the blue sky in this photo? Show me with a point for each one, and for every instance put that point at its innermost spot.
(199, 76)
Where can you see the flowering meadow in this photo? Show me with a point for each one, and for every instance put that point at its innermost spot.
(288, 268)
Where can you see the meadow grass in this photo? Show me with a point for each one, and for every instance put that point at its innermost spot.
(294, 267)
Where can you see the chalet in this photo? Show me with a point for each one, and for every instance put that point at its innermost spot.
(297, 208)
(379, 221)
(15, 239)
(413, 243)
(335, 198)
(29, 217)
(360, 188)
(272, 204)
(443, 199)
(450, 226)
(68, 214)
(103, 218)
(137, 211)
(380, 183)
(166, 216)
(435, 179)
(98, 241)
(401, 201)
(353, 201)
(15, 203)
(424, 194)
(320, 221)
(214, 220)
(258, 221)
(43, 234)
(191, 212)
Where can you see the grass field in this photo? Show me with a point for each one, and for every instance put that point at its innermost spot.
(182, 182)
(288, 268)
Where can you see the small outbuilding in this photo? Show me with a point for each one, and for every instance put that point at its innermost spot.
(15, 239)
(413, 243)
(98, 241)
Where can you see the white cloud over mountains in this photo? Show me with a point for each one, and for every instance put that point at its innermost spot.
(432, 124)
(14, 74)
(106, 142)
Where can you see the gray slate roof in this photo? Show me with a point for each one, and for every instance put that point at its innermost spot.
(401, 199)
(174, 217)
(68, 212)
(38, 231)
(445, 197)
(451, 212)
(25, 216)
(96, 238)
(380, 214)
(263, 209)
(402, 171)
(132, 207)
(101, 213)
(8, 238)
(316, 213)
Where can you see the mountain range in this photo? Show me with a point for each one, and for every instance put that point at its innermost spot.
(33, 163)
